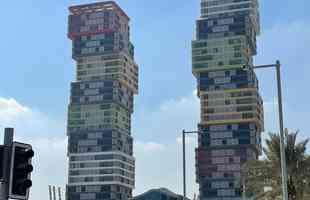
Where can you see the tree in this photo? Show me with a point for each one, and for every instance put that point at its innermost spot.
(262, 178)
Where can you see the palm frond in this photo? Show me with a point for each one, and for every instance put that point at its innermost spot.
(259, 174)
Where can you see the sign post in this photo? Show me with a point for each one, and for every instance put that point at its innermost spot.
(6, 155)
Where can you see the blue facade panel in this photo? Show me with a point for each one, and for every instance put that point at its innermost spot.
(111, 42)
(105, 91)
(239, 79)
(246, 134)
(84, 141)
(229, 26)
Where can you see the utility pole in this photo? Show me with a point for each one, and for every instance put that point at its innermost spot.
(7, 147)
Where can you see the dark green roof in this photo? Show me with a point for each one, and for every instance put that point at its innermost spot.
(164, 191)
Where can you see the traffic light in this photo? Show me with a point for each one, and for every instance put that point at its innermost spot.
(21, 168)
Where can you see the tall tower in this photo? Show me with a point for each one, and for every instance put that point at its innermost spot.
(100, 145)
(231, 106)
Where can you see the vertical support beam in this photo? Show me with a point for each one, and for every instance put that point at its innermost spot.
(50, 192)
(282, 144)
(4, 183)
(54, 192)
(59, 193)
(184, 165)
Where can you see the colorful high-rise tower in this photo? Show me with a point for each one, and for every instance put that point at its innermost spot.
(100, 145)
(231, 107)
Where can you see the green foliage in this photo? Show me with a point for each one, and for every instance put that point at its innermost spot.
(263, 178)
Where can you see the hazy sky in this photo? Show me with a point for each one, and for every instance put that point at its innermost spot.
(36, 71)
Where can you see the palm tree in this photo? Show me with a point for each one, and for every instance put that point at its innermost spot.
(262, 178)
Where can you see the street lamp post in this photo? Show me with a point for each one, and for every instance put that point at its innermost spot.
(184, 165)
(281, 126)
(184, 132)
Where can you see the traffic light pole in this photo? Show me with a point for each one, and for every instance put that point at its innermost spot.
(4, 182)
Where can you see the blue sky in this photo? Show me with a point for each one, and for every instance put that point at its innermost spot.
(36, 71)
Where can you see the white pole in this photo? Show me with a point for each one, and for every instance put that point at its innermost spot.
(59, 193)
(50, 192)
(54, 192)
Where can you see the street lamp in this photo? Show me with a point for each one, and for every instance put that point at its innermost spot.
(184, 132)
(282, 145)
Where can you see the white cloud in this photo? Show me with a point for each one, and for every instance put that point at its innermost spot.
(11, 110)
(188, 103)
(164, 168)
(28, 122)
(47, 138)
(163, 125)
(166, 122)
(149, 147)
